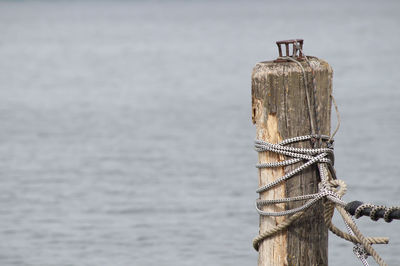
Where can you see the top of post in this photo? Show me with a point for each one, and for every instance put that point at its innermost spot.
(297, 50)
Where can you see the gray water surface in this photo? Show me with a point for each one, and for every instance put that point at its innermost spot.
(126, 135)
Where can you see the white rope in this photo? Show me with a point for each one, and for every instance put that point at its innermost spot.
(312, 156)
(327, 189)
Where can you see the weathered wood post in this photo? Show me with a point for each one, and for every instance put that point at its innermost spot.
(279, 111)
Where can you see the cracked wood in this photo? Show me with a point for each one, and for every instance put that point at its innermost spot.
(279, 111)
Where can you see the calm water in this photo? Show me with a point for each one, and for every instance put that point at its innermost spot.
(126, 135)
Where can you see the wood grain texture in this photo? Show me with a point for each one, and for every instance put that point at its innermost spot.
(279, 111)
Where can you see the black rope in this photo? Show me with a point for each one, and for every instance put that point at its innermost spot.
(358, 209)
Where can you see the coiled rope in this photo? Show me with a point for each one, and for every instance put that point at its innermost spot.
(330, 188)
(358, 209)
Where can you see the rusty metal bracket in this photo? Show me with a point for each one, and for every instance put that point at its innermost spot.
(297, 49)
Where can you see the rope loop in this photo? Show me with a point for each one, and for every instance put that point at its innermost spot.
(374, 210)
(388, 212)
(329, 188)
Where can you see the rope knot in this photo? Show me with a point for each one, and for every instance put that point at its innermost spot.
(330, 188)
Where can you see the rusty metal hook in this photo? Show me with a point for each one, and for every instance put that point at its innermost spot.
(297, 48)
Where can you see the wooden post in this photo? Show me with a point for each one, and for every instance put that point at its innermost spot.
(279, 112)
